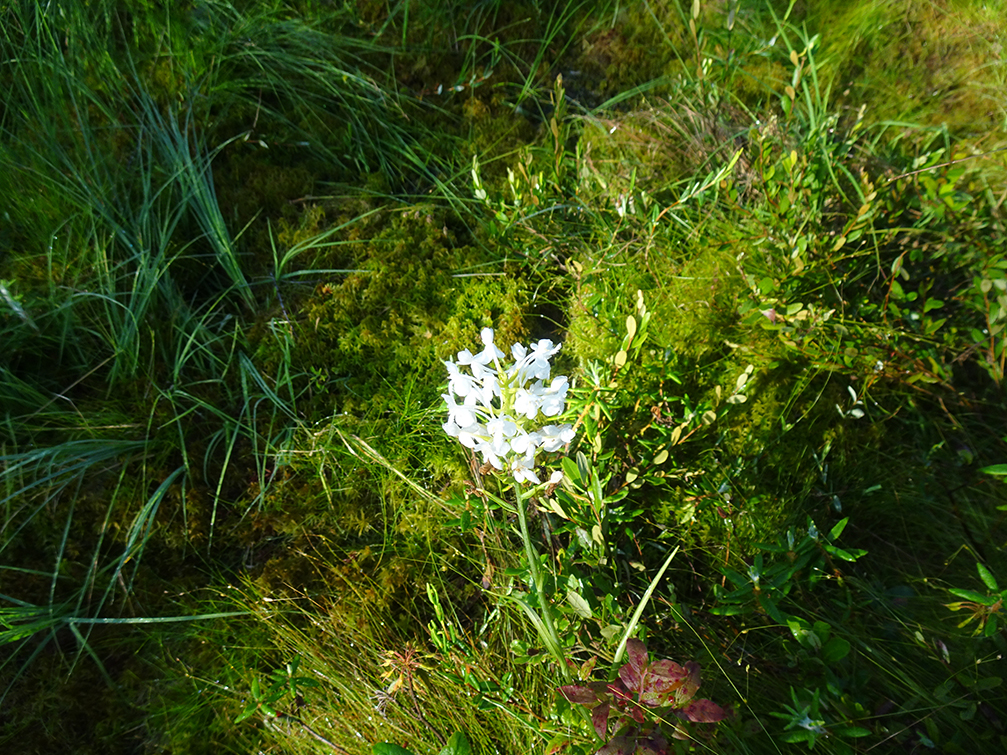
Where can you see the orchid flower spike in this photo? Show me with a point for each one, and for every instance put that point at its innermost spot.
(496, 410)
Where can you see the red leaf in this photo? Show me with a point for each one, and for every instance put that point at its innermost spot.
(705, 712)
(656, 692)
(636, 654)
(631, 677)
(691, 684)
(599, 717)
(619, 692)
(579, 695)
(667, 670)
(618, 746)
(660, 682)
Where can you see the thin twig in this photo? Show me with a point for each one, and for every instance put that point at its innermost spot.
(950, 162)
(313, 733)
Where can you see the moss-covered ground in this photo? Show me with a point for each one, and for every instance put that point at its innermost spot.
(238, 239)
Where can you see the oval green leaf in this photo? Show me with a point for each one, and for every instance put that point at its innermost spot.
(457, 745)
(387, 748)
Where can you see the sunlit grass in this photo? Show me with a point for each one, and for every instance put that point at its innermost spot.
(222, 450)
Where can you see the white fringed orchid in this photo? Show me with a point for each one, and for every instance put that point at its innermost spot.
(495, 410)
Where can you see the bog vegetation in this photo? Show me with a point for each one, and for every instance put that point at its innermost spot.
(238, 242)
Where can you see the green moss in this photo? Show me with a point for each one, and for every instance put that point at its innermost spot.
(936, 63)
(644, 43)
(375, 329)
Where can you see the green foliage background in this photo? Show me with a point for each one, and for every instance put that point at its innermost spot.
(238, 238)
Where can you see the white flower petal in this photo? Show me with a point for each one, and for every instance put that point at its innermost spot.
(524, 443)
(527, 403)
(502, 427)
(554, 437)
(523, 469)
(475, 405)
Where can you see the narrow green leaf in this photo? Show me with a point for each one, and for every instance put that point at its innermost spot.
(570, 469)
(635, 619)
(736, 577)
(797, 736)
(579, 605)
(770, 607)
(850, 555)
(987, 577)
(972, 595)
(585, 467)
(932, 326)
(246, 713)
(838, 528)
(851, 731)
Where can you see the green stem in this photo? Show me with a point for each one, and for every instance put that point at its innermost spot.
(543, 618)
(631, 627)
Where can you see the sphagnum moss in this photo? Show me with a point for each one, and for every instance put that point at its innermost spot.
(132, 334)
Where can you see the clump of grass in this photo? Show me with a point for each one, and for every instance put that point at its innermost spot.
(768, 304)
(376, 683)
(130, 298)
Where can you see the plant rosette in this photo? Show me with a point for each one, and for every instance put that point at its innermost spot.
(498, 411)
(639, 703)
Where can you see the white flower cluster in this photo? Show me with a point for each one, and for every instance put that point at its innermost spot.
(494, 410)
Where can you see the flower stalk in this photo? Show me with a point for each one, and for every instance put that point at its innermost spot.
(497, 412)
(543, 619)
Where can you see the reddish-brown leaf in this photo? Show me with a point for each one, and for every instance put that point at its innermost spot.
(631, 676)
(656, 692)
(618, 746)
(636, 654)
(666, 669)
(704, 712)
(618, 690)
(691, 684)
(579, 695)
(599, 717)
(655, 744)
